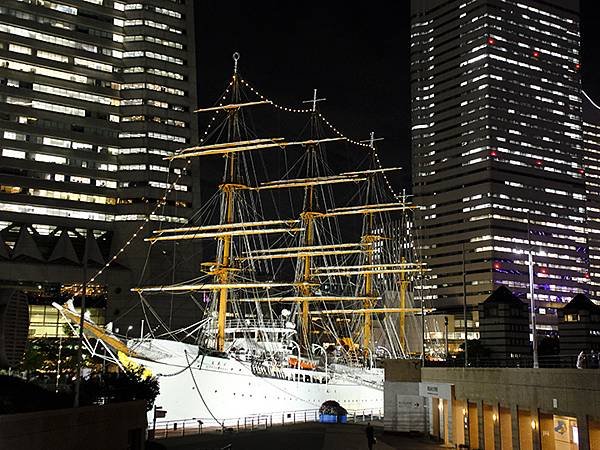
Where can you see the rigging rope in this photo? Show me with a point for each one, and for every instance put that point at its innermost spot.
(198, 388)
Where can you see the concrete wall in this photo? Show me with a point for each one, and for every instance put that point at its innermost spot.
(575, 392)
(404, 408)
(118, 426)
(496, 408)
(404, 370)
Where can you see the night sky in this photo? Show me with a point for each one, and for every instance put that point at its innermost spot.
(356, 56)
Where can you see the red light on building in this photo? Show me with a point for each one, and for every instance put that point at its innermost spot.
(543, 270)
(497, 265)
(493, 153)
(538, 162)
(587, 275)
(577, 66)
(491, 41)
(536, 54)
(581, 171)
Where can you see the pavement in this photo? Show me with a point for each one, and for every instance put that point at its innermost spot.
(306, 436)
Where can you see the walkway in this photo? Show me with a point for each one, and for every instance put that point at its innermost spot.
(296, 437)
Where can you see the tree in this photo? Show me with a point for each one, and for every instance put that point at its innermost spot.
(548, 345)
(477, 352)
(32, 361)
(131, 384)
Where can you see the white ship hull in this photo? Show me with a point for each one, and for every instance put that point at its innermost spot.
(215, 389)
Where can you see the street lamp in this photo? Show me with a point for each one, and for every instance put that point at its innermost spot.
(531, 297)
(298, 362)
(446, 336)
(129, 328)
(320, 347)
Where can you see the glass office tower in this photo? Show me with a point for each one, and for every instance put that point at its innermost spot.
(498, 152)
(95, 94)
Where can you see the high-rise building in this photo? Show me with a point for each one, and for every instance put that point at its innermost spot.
(498, 164)
(591, 162)
(95, 94)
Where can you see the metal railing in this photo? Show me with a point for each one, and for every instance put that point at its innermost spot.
(177, 428)
(526, 361)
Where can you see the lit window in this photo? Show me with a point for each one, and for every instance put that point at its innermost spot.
(56, 142)
(13, 136)
(93, 64)
(75, 179)
(19, 49)
(52, 56)
(49, 158)
(13, 153)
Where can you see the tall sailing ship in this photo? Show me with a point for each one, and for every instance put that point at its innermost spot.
(303, 297)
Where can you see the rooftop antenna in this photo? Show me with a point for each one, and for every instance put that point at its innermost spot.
(236, 58)
(314, 101)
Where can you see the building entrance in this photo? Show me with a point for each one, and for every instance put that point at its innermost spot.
(559, 432)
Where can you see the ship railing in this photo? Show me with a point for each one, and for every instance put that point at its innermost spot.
(359, 380)
(244, 324)
(163, 429)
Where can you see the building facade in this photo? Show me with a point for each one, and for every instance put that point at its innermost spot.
(497, 143)
(591, 157)
(494, 408)
(95, 94)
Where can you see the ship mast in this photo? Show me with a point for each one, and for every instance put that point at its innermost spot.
(370, 239)
(308, 217)
(403, 284)
(227, 189)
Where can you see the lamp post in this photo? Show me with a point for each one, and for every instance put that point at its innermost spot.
(446, 336)
(79, 356)
(422, 322)
(129, 328)
(58, 362)
(536, 364)
(320, 347)
(298, 362)
(465, 322)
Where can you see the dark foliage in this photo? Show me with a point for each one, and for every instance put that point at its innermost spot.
(121, 387)
(548, 345)
(477, 352)
(20, 396)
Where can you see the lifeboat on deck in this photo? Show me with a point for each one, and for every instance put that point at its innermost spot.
(304, 363)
